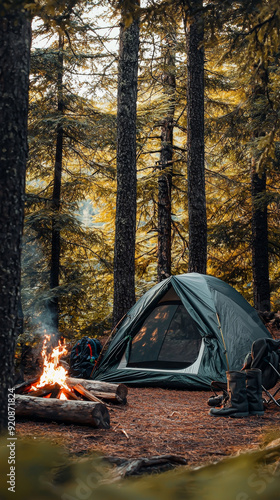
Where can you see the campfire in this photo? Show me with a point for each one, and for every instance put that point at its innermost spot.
(55, 396)
(52, 382)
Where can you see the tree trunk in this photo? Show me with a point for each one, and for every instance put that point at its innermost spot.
(195, 141)
(125, 226)
(15, 40)
(166, 166)
(56, 198)
(57, 410)
(260, 260)
(260, 265)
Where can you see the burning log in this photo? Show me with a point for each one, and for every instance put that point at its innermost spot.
(52, 389)
(115, 393)
(78, 412)
(26, 386)
(68, 394)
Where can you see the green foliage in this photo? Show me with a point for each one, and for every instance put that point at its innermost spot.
(88, 145)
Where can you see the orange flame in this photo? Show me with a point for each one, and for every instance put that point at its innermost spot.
(62, 396)
(52, 372)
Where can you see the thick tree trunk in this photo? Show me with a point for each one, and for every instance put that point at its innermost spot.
(57, 410)
(195, 142)
(56, 198)
(166, 167)
(15, 40)
(125, 226)
(260, 266)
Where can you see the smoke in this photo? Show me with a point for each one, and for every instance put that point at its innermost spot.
(35, 292)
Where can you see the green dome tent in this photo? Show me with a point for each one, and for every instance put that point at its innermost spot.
(183, 333)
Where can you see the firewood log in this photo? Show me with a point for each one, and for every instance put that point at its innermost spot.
(70, 394)
(110, 398)
(55, 391)
(76, 412)
(44, 391)
(114, 392)
(88, 395)
(25, 386)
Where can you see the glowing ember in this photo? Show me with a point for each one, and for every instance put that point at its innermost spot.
(52, 372)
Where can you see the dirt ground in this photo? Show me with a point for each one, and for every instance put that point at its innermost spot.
(159, 422)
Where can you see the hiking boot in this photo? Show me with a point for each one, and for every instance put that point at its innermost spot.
(254, 391)
(218, 400)
(237, 404)
(215, 400)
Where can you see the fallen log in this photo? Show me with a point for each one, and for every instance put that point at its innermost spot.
(112, 392)
(75, 412)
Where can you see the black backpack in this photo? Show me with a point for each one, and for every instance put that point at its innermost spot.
(83, 357)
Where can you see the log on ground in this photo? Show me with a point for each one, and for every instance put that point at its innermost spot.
(104, 390)
(75, 412)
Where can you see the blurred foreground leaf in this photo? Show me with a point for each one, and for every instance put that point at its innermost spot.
(44, 471)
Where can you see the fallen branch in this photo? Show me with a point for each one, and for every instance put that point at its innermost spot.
(153, 464)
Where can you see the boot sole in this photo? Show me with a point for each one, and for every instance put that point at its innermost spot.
(233, 415)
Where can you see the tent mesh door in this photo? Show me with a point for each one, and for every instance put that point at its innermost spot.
(168, 339)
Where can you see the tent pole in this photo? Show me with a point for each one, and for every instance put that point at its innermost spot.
(221, 332)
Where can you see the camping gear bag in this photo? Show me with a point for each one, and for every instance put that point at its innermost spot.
(83, 357)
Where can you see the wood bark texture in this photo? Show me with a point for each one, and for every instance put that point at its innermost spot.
(125, 225)
(166, 165)
(84, 392)
(195, 142)
(78, 412)
(56, 197)
(260, 256)
(261, 289)
(104, 390)
(15, 39)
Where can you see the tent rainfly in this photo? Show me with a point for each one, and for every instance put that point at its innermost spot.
(183, 333)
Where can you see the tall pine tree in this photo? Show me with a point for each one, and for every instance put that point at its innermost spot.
(125, 226)
(15, 40)
(194, 27)
(166, 159)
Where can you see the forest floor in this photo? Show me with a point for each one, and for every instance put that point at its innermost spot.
(161, 422)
